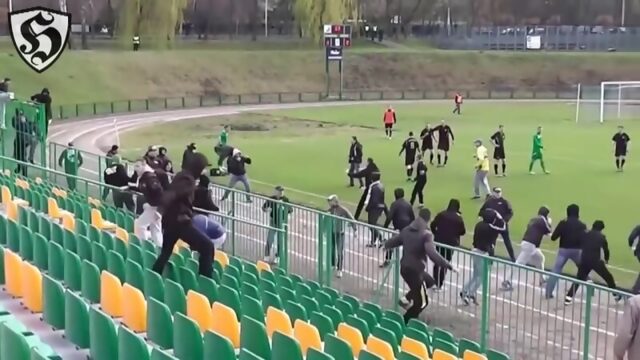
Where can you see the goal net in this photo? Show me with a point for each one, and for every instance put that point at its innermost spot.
(611, 101)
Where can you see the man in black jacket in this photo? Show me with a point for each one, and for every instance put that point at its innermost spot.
(151, 183)
(165, 161)
(417, 246)
(279, 211)
(116, 176)
(223, 152)
(177, 214)
(108, 163)
(634, 243)
(447, 227)
(187, 155)
(355, 159)
(502, 206)
(570, 231)
(375, 207)
(236, 167)
(594, 243)
(152, 159)
(203, 199)
(401, 214)
(367, 173)
(410, 147)
(421, 181)
(44, 98)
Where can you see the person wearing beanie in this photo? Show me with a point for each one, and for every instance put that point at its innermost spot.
(340, 217)
(530, 253)
(355, 159)
(417, 246)
(187, 155)
(447, 227)
(165, 162)
(116, 175)
(72, 160)
(497, 202)
(401, 214)
(594, 245)
(570, 231)
(43, 97)
(203, 198)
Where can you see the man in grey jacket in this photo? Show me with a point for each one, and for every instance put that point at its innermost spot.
(628, 337)
(341, 216)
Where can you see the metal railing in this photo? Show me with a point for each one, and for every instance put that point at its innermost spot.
(520, 322)
(158, 104)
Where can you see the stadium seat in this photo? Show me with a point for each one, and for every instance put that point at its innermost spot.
(12, 211)
(7, 198)
(90, 282)
(31, 287)
(222, 258)
(225, 323)
(295, 311)
(54, 210)
(252, 308)
(188, 279)
(323, 299)
(187, 340)
(2, 277)
(302, 290)
(287, 295)
(199, 310)
(230, 281)
(380, 348)
(284, 281)
(99, 222)
(131, 346)
(262, 266)
(268, 285)
(68, 222)
(84, 247)
(278, 320)
(307, 335)
(122, 234)
(208, 288)
(334, 314)
(314, 354)
(153, 285)
(443, 335)
(337, 348)
(368, 317)
(496, 355)
(111, 297)
(254, 338)
(76, 318)
(393, 327)
(102, 335)
(175, 297)
(159, 324)
(472, 355)
(115, 265)
(249, 278)
(54, 303)
(134, 309)
(344, 307)
(352, 301)
(359, 324)
(72, 271)
(323, 324)
(134, 253)
(464, 345)
(56, 261)
(98, 255)
(133, 274)
(395, 317)
(248, 355)
(270, 299)
(231, 298)
(352, 336)
(419, 325)
(285, 347)
(250, 290)
(387, 336)
(26, 244)
(445, 346)
(13, 273)
(218, 347)
(441, 355)
(418, 336)
(157, 354)
(415, 348)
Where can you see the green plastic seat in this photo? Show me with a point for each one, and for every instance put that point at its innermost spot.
(375, 309)
(208, 288)
(248, 355)
(133, 275)
(314, 286)
(99, 256)
(69, 241)
(115, 265)
(253, 337)
(353, 301)
(17, 346)
(131, 346)
(302, 290)
(323, 323)
(187, 340)
(285, 347)
(56, 261)
(188, 279)
(192, 264)
(267, 275)
(217, 347)
(159, 324)
(134, 240)
(344, 307)
(157, 354)
(418, 336)
(406, 356)
(232, 271)
(252, 269)
(313, 354)
(358, 324)
(271, 299)
(295, 311)
(394, 327)
(334, 314)
(45, 227)
(388, 336)
(26, 244)
(395, 317)
(134, 253)
(284, 281)
(287, 295)
(94, 234)
(120, 247)
(149, 246)
(76, 320)
(440, 334)
(231, 298)
(41, 353)
(419, 325)
(153, 285)
(278, 271)
(72, 271)
(295, 278)
(148, 259)
(2, 265)
(90, 282)
(82, 228)
(171, 271)
(367, 355)
(439, 343)
(102, 335)
(230, 281)
(175, 297)
(57, 234)
(465, 344)
(266, 285)
(84, 247)
(252, 308)
(337, 348)
(368, 317)
(248, 277)
(249, 290)
(53, 302)
(496, 355)
(107, 240)
(40, 252)
(237, 263)
(13, 236)
(323, 298)
(310, 304)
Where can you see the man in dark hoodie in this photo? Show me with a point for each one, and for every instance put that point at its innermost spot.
(355, 159)
(152, 159)
(177, 214)
(236, 167)
(367, 173)
(570, 231)
(375, 206)
(499, 204)
(401, 214)
(447, 227)
(116, 176)
(223, 152)
(151, 183)
(530, 253)
(421, 181)
(187, 155)
(594, 243)
(44, 98)
(634, 243)
(165, 161)
(203, 199)
(417, 245)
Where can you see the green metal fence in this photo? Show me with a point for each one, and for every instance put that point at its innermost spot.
(520, 322)
(157, 104)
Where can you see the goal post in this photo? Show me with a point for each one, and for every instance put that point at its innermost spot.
(619, 100)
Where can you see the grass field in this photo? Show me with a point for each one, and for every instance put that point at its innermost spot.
(306, 151)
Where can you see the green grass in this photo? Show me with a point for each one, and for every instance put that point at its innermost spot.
(306, 151)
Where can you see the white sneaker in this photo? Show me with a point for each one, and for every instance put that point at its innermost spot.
(532, 172)
(276, 260)
(266, 259)
(339, 274)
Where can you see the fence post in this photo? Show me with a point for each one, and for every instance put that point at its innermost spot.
(201, 100)
(166, 104)
(146, 103)
(259, 98)
(232, 213)
(113, 110)
(77, 110)
(95, 109)
(321, 219)
(279, 97)
(484, 321)
(396, 279)
(129, 105)
(587, 322)
(219, 99)
(183, 102)
(299, 97)
(284, 237)
(61, 112)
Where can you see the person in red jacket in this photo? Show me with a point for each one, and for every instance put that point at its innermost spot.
(389, 119)
(457, 99)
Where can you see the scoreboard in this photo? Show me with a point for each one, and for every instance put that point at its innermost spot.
(336, 38)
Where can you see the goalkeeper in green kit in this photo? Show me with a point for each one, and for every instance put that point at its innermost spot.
(536, 152)
(222, 142)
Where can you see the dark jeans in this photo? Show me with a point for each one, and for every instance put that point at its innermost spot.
(418, 189)
(123, 200)
(353, 168)
(372, 219)
(583, 273)
(197, 241)
(416, 280)
(438, 272)
(506, 238)
(337, 255)
(360, 206)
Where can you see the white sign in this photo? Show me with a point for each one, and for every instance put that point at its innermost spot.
(533, 42)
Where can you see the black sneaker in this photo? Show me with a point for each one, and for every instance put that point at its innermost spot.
(464, 298)
(385, 264)
(370, 245)
(568, 300)
(473, 299)
(617, 297)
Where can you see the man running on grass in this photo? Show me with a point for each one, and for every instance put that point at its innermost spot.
(536, 152)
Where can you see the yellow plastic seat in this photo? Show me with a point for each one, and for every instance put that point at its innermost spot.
(199, 310)
(22, 184)
(32, 287)
(441, 355)
(12, 211)
(99, 222)
(278, 320)
(414, 347)
(307, 335)
(111, 296)
(122, 234)
(380, 348)
(94, 202)
(222, 258)
(7, 197)
(472, 355)
(13, 273)
(135, 309)
(351, 336)
(261, 265)
(225, 323)
(54, 211)
(69, 222)
(59, 192)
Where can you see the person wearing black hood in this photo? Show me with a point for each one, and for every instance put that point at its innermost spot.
(447, 227)
(530, 253)
(44, 98)
(634, 243)
(187, 155)
(375, 207)
(177, 213)
(594, 243)
(152, 159)
(108, 160)
(367, 173)
(502, 206)
(116, 176)
(355, 159)
(570, 231)
(165, 161)
(417, 246)
(401, 214)
(203, 198)
(485, 235)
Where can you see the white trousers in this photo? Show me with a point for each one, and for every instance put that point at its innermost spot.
(148, 225)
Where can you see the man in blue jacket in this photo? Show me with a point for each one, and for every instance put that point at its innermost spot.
(212, 228)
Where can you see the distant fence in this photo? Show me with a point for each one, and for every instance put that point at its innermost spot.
(183, 102)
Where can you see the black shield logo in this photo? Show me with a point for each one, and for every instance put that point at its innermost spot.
(39, 35)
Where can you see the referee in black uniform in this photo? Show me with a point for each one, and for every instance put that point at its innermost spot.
(427, 137)
(410, 147)
(621, 140)
(499, 157)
